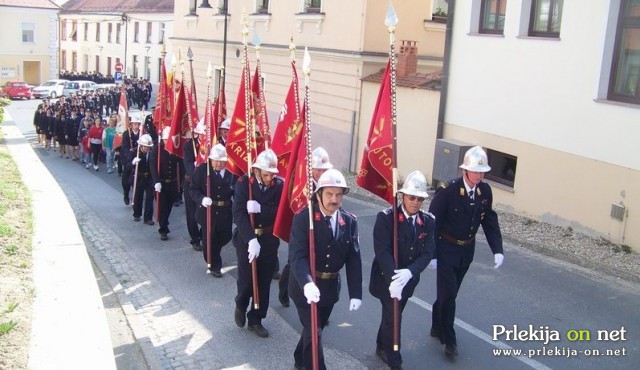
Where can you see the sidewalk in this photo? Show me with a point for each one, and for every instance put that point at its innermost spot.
(69, 328)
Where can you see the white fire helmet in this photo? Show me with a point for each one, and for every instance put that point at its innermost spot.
(165, 133)
(475, 159)
(267, 161)
(145, 140)
(415, 184)
(199, 129)
(332, 178)
(218, 153)
(226, 124)
(320, 159)
(135, 117)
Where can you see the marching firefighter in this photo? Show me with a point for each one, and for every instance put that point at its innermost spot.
(216, 232)
(143, 185)
(164, 172)
(460, 208)
(256, 241)
(335, 233)
(415, 249)
(191, 149)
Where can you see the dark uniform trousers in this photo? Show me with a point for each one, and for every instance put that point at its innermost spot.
(244, 232)
(332, 253)
(457, 221)
(189, 204)
(143, 188)
(415, 250)
(221, 217)
(167, 176)
(127, 153)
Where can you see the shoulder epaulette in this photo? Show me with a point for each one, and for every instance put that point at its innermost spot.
(430, 215)
(388, 211)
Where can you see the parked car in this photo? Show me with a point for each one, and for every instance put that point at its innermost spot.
(105, 87)
(16, 89)
(50, 89)
(78, 87)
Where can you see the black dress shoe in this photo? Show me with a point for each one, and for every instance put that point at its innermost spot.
(136, 219)
(284, 301)
(240, 317)
(149, 222)
(298, 367)
(126, 200)
(382, 355)
(164, 236)
(176, 204)
(216, 273)
(196, 246)
(276, 275)
(450, 350)
(260, 330)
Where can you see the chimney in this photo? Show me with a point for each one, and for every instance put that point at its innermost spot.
(407, 58)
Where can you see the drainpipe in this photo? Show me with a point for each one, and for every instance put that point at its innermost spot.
(445, 68)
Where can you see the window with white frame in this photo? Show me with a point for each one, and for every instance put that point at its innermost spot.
(136, 32)
(312, 6)
(118, 29)
(492, 14)
(624, 82)
(262, 6)
(546, 16)
(28, 32)
(63, 29)
(86, 31)
(98, 31)
(149, 32)
(161, 33)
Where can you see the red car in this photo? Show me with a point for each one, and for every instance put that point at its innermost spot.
(16, 89)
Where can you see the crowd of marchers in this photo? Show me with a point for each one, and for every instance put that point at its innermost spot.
(222, 207)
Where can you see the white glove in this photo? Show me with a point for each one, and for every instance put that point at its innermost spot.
(253, 206)
(311, 292)
(433, 264)
(354, 304)
(395, 290)
(135, 161)
(158, 187)
(498, 258)
(206, 202)
(402, 277)
(254, 249)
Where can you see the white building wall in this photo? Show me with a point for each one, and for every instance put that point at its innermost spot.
(542, 91)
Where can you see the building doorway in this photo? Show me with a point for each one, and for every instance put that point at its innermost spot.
(31, 71)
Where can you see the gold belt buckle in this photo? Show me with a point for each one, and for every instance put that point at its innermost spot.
(460, 242)
(325, 275)
(259, 231)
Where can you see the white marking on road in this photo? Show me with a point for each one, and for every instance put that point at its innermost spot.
(485, 337)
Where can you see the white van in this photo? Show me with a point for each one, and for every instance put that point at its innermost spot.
(50, 89)
(78, 87)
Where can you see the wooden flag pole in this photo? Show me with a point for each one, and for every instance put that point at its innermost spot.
(249, 126)
(391, 21)
(306, 68)
(208, 142)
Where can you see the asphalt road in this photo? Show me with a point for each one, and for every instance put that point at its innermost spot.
(529, 290)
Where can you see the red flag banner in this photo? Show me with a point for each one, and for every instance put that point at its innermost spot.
(219, 108)
(123, 118)
(162, 113)
(237, 139)
(295, 191)
(179, 124)
(193, 110)
(263, 135)
(209, 136)
(375, 173)
(289, 125)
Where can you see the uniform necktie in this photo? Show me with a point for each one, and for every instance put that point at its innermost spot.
(471, 194)
(328, 220)
(413, 228)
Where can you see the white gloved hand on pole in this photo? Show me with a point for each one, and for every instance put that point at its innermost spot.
(206, 202)
(498, 258)
(395, 290)
(254, 249)
(433, 265)
(311, 292)
(402, 276)
(135, 161)
(158, 187)
(354, 304)
(253, 206)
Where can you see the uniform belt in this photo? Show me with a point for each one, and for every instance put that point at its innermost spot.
(263, 230)
(455, 241)
(221, 203)
(168, 181)
(326, 275)
(146, 173)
